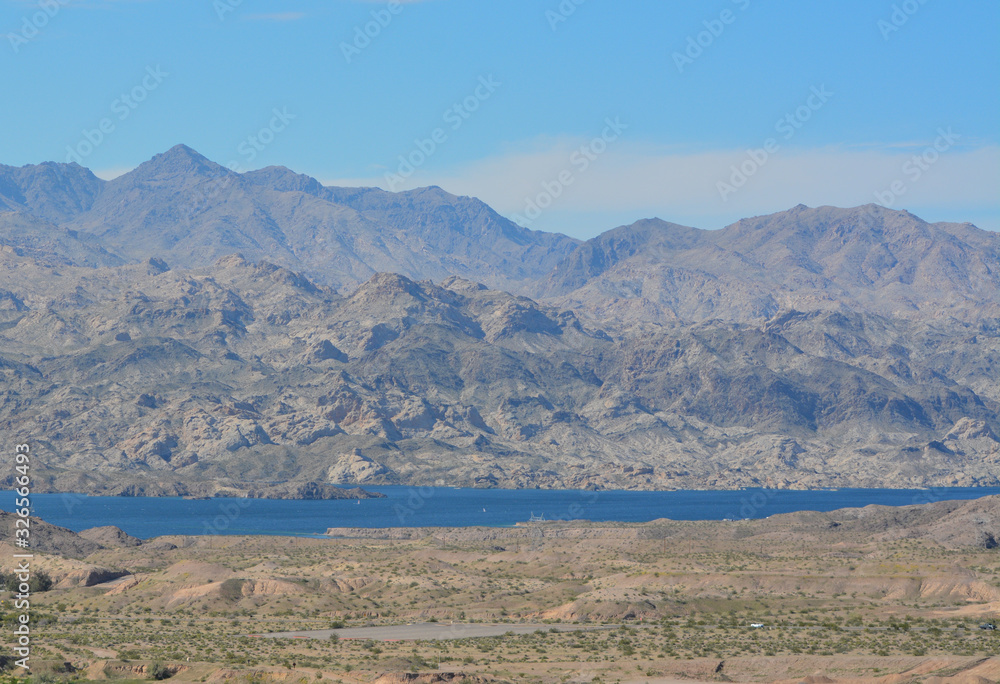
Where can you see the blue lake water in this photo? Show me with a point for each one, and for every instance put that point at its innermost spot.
(448, 507)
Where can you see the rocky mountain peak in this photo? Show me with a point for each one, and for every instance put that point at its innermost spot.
(284, 180)
(190, 211)
(457, 284)
(388, 287)
(52, 191)
(236, 260)
(179, 162)
(866, 258)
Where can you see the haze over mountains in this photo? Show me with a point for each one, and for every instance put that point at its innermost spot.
(183, 208)
(363, 336)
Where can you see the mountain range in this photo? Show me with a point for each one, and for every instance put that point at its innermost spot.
(183, 208)
(184, 324)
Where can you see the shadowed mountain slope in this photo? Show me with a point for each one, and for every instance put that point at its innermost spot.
(250, 372)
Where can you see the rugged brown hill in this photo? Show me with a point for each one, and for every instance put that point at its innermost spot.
(110, 537)
(48, 538)
(250, 372)
(954, 524)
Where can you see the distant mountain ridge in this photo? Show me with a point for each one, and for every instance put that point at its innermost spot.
(187, 324)
(185, 209)
(190, 211)
(51, 191)
(862, 259)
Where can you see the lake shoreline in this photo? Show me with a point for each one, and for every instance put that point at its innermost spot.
(402, 507)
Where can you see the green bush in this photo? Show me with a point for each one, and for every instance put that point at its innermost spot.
(159, 671)
(232, 589)
(40, 581)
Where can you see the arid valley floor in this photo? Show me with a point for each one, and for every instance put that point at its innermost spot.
(877, 594)
(521, 342)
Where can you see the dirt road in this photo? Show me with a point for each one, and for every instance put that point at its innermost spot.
(431, 630)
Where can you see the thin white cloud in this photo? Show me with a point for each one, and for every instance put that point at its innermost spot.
(630, 178)
(112, 173)
(91, 5)
(275, 16)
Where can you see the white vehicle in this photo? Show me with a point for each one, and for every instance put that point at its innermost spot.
(756, 625)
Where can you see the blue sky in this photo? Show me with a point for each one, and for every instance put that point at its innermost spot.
(574, 116)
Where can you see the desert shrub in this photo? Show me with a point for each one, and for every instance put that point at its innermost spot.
(40, 581)
(159, 671)
(232, 589)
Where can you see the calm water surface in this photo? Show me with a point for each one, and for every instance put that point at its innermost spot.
(448, 507)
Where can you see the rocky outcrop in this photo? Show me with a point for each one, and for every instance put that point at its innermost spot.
(110, 537)
(354, 468)
(433, 678)
(269, 588)
(308, 491)
(90, 577)
(50, 538)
